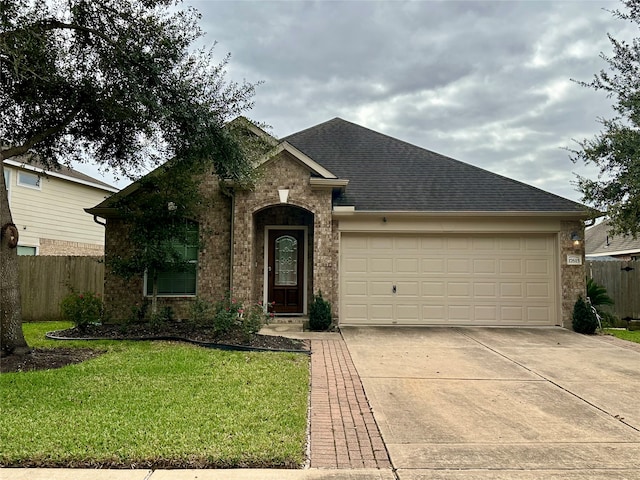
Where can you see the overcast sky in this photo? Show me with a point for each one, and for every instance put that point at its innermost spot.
(485, 82)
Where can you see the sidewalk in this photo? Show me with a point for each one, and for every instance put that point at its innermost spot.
(345, 442)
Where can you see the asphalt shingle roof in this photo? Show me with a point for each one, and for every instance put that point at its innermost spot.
(598, 241)
(387, 174)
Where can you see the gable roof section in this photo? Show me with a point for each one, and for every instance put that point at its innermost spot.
(600, 243)
(387, 174)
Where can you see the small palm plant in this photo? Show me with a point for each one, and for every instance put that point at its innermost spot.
(597, 294)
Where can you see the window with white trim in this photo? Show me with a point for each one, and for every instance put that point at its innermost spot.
(180, 282)
(30, 180)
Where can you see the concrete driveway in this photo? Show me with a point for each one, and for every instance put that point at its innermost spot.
(501, 403)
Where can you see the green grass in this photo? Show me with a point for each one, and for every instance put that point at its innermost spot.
(156, 404)
(630, 335)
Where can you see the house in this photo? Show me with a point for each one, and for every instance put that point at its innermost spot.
(48, 209)
(600, 244)
(390, 233)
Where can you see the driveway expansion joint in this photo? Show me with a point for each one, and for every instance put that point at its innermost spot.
(555, 384)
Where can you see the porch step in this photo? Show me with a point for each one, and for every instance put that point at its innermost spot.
(287, 320)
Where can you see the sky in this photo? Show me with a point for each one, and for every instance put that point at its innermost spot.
(488, 83)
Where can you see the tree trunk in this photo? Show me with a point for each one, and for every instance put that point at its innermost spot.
(154, 298)
(11, 337)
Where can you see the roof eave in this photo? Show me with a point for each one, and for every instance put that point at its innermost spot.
(460, 213)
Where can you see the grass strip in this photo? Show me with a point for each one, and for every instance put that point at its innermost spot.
(156, 404)
(629, 335)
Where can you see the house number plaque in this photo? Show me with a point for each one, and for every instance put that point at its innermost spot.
(574, 259)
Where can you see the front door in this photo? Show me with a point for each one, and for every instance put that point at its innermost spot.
(286, 270)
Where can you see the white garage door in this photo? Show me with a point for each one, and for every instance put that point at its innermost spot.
(447, 280)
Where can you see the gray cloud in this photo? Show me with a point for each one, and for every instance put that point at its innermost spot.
(485, 82)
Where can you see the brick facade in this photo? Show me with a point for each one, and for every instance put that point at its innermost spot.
(61, 247)
(572, 277)
(233, 227)
(122, 296)
(260, 207)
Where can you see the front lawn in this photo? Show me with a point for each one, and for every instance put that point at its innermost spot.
(630, 335)
(156, 404)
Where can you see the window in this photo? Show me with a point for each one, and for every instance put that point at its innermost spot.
(7, 182)
(182, 282)
(22, 250)
(30, 180)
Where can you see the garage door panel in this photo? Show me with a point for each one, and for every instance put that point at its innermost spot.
(407, 313)
(459, 289)
(484, 266)
(458, 313)
(355, 265)
(458, 265)
(380, 265)
(433, 289)
(537, 267)
(511, 290)
(381, 311)
(448, 280)
(512, 266)
(408, 290)
(407, 265)
(512, 314)
(485, 290)
(356, 288)
(432, 266)
(381, 289)
(433, 313)
(485, 314)
(510, 244)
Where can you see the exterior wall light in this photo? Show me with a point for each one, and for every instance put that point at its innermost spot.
(576, 238)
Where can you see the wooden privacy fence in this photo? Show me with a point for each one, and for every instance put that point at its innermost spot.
(45, 281)
(622, 281)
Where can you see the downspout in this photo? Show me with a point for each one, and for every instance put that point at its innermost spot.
(95, 219)
(231, 236)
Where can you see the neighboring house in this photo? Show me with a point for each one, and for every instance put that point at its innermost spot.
(390, 233)
(600, 243)
(48, 209)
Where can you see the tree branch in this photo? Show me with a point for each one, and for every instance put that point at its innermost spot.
(14, 151)
(52, 24)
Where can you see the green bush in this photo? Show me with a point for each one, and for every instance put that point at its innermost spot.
(82, 309)
(584, 319)
(229, 314)
(251, 321)
(201, 313)
(319, 314)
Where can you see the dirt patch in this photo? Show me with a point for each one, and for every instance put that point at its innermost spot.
(46, 359)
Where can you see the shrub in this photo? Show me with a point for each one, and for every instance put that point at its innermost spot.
(251, 321)
(82, 309)
(201, 312)
(319, 314)
(584, 319)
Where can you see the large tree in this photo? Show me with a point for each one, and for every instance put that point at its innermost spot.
(113, 82)
(615, 150)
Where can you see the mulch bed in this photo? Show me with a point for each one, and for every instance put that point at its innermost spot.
(46, 359)
(49, 358)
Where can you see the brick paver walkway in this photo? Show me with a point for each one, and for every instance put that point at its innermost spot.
(344, 433)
